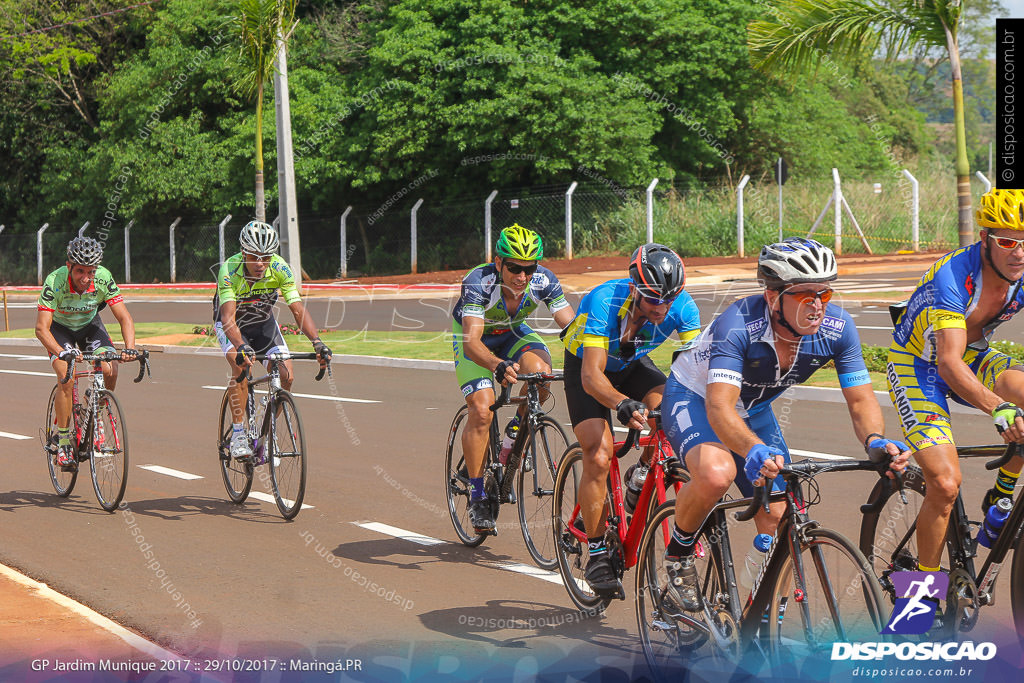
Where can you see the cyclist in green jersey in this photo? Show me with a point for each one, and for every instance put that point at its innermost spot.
(243, 313)
(67, 318)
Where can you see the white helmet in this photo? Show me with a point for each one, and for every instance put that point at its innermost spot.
(795, 260)
(259, 238)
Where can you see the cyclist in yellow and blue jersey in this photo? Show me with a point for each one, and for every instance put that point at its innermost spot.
(490, 338)
(608, 367)
(940, 350)
(244, 321)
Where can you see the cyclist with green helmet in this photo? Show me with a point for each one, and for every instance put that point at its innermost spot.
(492, 339)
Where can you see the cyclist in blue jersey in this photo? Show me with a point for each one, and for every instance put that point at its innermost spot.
(940, 350)
(717, 409)
(490, 338)
(67, 317)
(607, 367)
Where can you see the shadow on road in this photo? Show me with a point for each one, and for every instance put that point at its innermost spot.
(408, 555)
(12, 500)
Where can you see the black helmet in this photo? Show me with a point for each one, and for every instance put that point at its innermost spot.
(657, 271)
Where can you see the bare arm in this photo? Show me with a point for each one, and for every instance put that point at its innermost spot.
(43, 321)
(227, 321)
(303, 320)
(564, 317)
(866, 415)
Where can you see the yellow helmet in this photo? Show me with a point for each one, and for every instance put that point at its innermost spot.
(1001, 209)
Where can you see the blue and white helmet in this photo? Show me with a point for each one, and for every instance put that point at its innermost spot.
(794, 261)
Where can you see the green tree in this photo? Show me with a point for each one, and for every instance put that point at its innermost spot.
(801, 34)
(262, 28)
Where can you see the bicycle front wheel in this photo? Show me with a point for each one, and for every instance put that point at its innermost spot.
(1017, 591)
(536, 488)
(840, 599)
(456, 481)
(63, 481)
(237, 475)
(287, 454)
(109, 458)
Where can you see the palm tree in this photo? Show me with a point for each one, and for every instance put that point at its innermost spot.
(798, 35)
(262, 28)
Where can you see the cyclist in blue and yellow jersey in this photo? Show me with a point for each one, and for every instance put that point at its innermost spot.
(67, 318)
(940, 350)
(607, 367)
(718, 398)
(491, 339)
(243, 313)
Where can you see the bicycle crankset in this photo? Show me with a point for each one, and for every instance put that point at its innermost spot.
(962, 601)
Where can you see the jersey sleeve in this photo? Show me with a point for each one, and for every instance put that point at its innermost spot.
(286, 280)
(111, 292)
(849, 357)
(474, 298)
(950, 300)
(552, 295)
(48, 296)
(225, 292)
(595, 332)
(728, 348)
(689, 320)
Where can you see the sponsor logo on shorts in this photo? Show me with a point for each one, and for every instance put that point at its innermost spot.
(900, 401)
(933, 418)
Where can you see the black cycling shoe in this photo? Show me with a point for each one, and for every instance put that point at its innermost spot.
(480, 515)
(601, 576)
(993, 496)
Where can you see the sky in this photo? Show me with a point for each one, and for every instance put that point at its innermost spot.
(1015, 8)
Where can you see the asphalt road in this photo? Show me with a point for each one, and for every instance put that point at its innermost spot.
(372, 570)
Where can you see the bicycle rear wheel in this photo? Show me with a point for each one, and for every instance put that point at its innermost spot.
(536, 489)
(63, 481)
(841, 600)
(1017, 591)
(572, 553)
(457, 486)
(286, 452)
(237, 475)
(109, 457)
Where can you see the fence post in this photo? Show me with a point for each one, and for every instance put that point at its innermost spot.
(650, 210)
(984, 180)
(837, 193)
(39, 253)
(739, 214)
(174, 273)
(487, 225)
(915, 211)
(220, 237)
(412, 228)
(81, 230)
(568, 220)
(344, 243)
(128, 251)
(2, 227)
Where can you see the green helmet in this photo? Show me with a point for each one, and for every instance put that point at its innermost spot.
(517, 242)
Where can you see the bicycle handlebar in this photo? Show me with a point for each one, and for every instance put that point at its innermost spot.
(141, 356)
(529, 378)
(634, 435)
(280, 358)
(1011, 450)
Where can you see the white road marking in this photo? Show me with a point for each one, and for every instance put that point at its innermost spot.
(169, 472)
(135, 641)
(530, 570)
(316, 396)
(820, 456)
(267, 498)
(21, 356)
(395, 532)
(19, 437)
(51, 375)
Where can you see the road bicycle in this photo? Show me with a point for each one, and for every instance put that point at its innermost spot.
(531, 467)
(98, 432)
(622, 531)
(814, 588)
(888, 538)
(278, 441)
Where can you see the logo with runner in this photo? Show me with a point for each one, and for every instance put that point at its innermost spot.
(918, 595)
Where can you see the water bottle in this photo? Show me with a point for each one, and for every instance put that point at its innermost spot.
(636, 475)
(754, 560)
(510, 438)
(994, 520)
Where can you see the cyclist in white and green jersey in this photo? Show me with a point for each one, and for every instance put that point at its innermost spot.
(491, 338)
(243, 313)
(67, 318)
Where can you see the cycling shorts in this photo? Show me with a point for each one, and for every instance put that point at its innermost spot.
(263, 337)
(919, 393)
(635, 381)
(684, 418)
(509, 345)
(92, 338)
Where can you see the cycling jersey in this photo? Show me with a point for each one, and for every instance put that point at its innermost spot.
(945, 296)
(71, 309)
(602, 318)
(481, 298)
(738, 348)
(255, 299)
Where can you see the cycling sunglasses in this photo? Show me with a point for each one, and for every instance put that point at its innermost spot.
(516, 269)
(1007, 243)
(655, 301)
(808, 297)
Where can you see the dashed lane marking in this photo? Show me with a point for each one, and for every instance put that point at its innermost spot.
(267, 498)
(9, 435)
(29, 372)
(315, 396)
(159, 469)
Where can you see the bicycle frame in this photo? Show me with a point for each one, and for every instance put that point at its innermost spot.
(534, 411)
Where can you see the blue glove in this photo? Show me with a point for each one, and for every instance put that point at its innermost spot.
(882, 442)
(756, 457)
